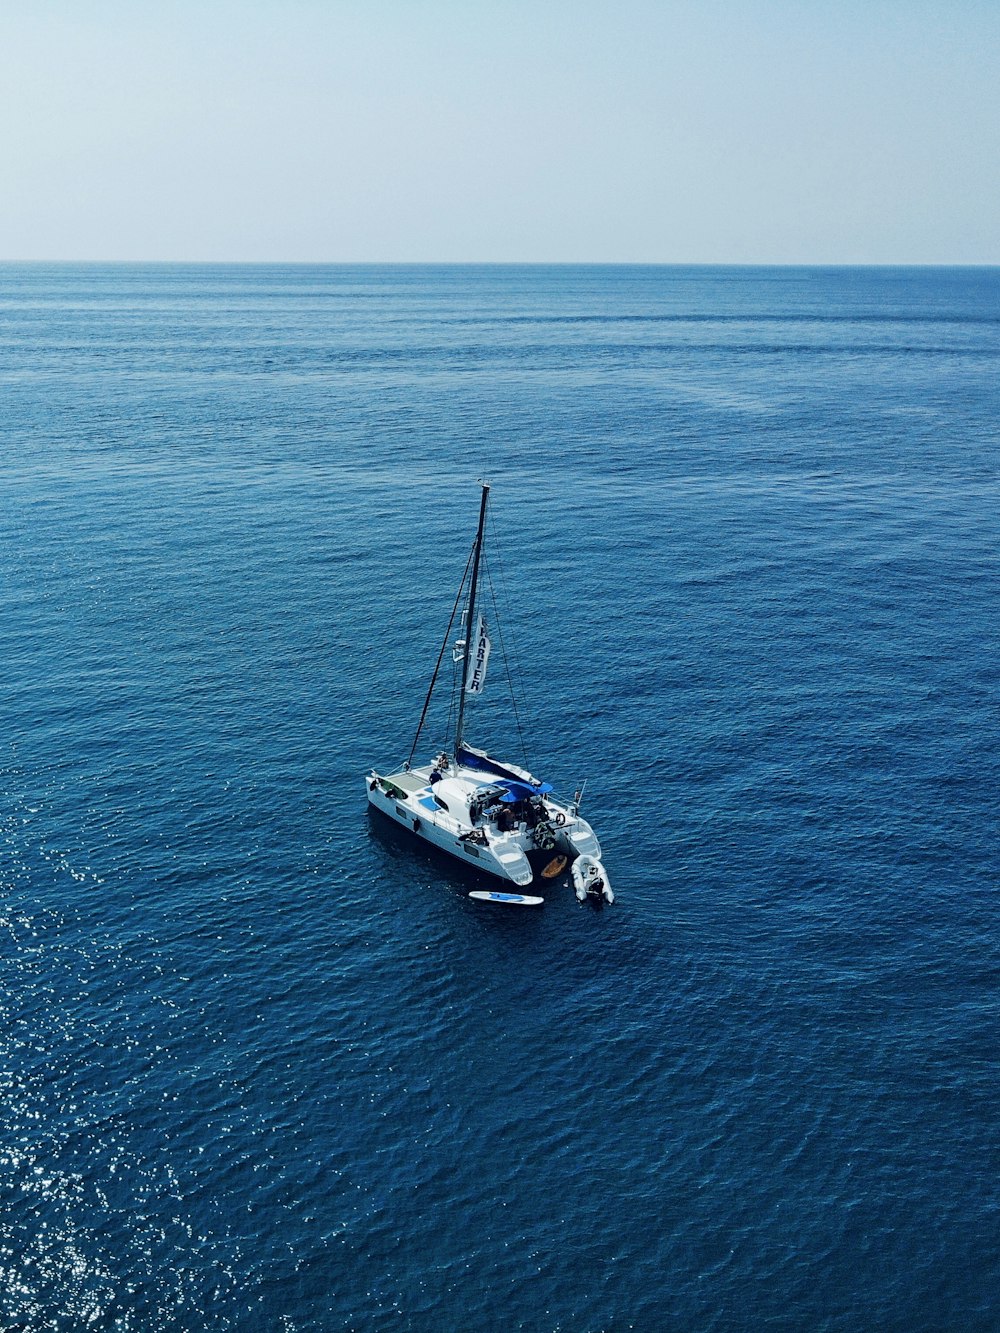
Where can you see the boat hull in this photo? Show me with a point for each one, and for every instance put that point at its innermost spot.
(503, 862)
(459, 812)
(490, 814)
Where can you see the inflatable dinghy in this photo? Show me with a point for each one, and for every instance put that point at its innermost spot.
(590, 880)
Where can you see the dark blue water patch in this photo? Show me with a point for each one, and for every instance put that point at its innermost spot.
(265, 1064)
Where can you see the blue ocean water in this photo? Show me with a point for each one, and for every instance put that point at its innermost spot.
(264, 1064)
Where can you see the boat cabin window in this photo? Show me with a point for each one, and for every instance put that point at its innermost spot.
(442, 804)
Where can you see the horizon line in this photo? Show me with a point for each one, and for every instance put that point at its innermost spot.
(505, 263)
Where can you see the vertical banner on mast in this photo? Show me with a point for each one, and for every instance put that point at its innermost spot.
(480, 649)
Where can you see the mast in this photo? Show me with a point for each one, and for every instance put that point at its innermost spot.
(470, 620)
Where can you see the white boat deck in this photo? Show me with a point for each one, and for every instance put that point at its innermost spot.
(482, 817)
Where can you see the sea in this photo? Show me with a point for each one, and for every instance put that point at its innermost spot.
(264, 1065)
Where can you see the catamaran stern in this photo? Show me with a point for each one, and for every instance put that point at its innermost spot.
(406, 800)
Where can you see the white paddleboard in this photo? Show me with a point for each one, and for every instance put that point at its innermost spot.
(513, 899)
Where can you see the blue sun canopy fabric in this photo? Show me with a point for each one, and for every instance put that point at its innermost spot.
(520, 791)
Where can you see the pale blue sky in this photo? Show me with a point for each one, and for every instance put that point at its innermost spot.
(558, 130)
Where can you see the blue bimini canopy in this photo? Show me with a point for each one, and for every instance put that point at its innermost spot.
(520, 791)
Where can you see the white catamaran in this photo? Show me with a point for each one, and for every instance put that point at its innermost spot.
(495, 816)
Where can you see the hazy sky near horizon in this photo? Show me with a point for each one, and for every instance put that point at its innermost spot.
(695, 131)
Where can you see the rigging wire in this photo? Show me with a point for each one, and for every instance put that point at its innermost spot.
(509, 611)
(508, 605)
(506, 662)
(437, 666)
(456, 685)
